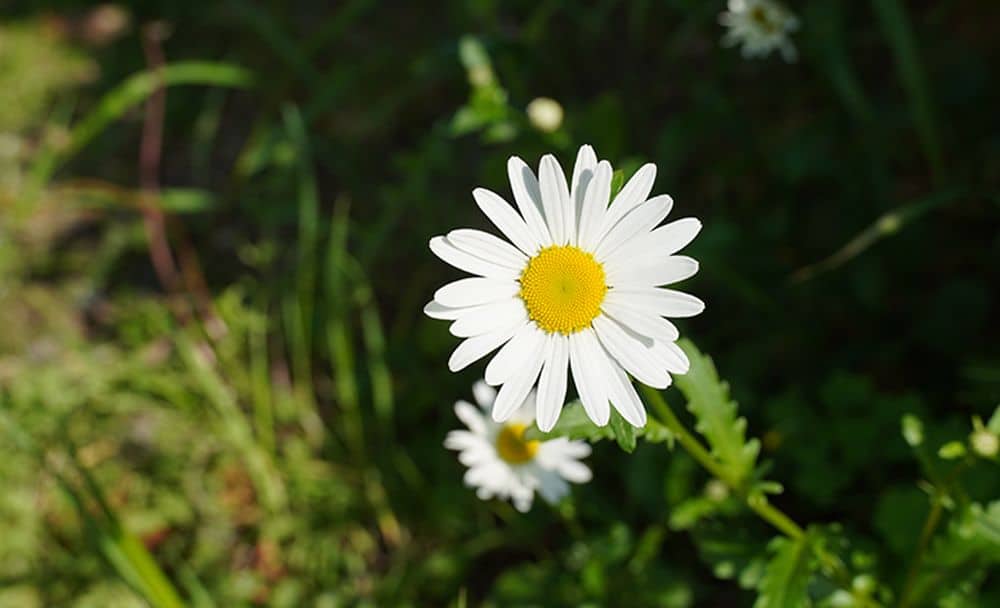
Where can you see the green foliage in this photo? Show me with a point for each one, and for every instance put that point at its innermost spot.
(960, 558)
(716, 414)
(131, 92)
(37, 65)
(785, 582)
(573, 423)
(267, 431)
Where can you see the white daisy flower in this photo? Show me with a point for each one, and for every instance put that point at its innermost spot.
(503, 465)
(760, 26)
(578, 290)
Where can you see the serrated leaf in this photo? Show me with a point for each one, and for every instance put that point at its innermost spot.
(716, 414)
(656, 432)
(575, 424)
(785, 583)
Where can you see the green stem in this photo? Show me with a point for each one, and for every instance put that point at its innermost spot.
(758, 504)
(764, 509)
(930, 524)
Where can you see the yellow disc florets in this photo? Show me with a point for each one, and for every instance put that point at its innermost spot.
(563, 288)
(511, 445)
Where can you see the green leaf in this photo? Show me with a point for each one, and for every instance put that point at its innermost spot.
(785, 583)
(960, 556)
(624, 432)
(913, 430)
(716, 414)
(952, 450)
(575, 424)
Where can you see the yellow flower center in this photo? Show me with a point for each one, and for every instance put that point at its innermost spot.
(511, 445)
(563, 288)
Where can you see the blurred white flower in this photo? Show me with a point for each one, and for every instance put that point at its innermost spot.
(760, 26)
(503, 464)
(578, 290)
(984, 442)
(545, 114)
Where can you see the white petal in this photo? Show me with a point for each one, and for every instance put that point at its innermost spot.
(649, 272)
(552, 487)
(506, 219)
(489, 247)
(670, 356)
(623, 395)
(483, 319)
(521, 347)
(635, 192)
(583, 352)
(488, 475)
(629, 350)
(657, 301)
(555, 199)
(477, 455)
(574, 471)
(444, 249)
(552, 383)
(471, 416)
(595, 204)
(528, 196)
(643, 323)
(513, 392)
(575, 449)
(473, 349)
(435, 310)
(463, 440)
(665, 240)
(526, 413)
(484, 394)
(475, 291)
(677, 234)
(583, 173)
(640, 220)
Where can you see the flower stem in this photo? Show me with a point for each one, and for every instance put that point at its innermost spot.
(933, 517)
(758, 504)
(764, 509)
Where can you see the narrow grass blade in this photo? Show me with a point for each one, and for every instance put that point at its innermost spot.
(133, 91)
(895, 23)
(305, 278)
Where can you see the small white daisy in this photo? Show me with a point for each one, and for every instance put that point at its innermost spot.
(578, 290)
(503, 465)
(760, 26)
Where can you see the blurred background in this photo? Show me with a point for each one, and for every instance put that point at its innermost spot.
(217, 387)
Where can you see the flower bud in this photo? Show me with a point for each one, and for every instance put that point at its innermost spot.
(545, 114)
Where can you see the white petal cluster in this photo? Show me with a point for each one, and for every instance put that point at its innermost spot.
(759, 27)
(579, 239)
(549, 469)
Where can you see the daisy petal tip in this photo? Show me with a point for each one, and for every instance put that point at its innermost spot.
(545, 424)
(456, 365)
(499, 416)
